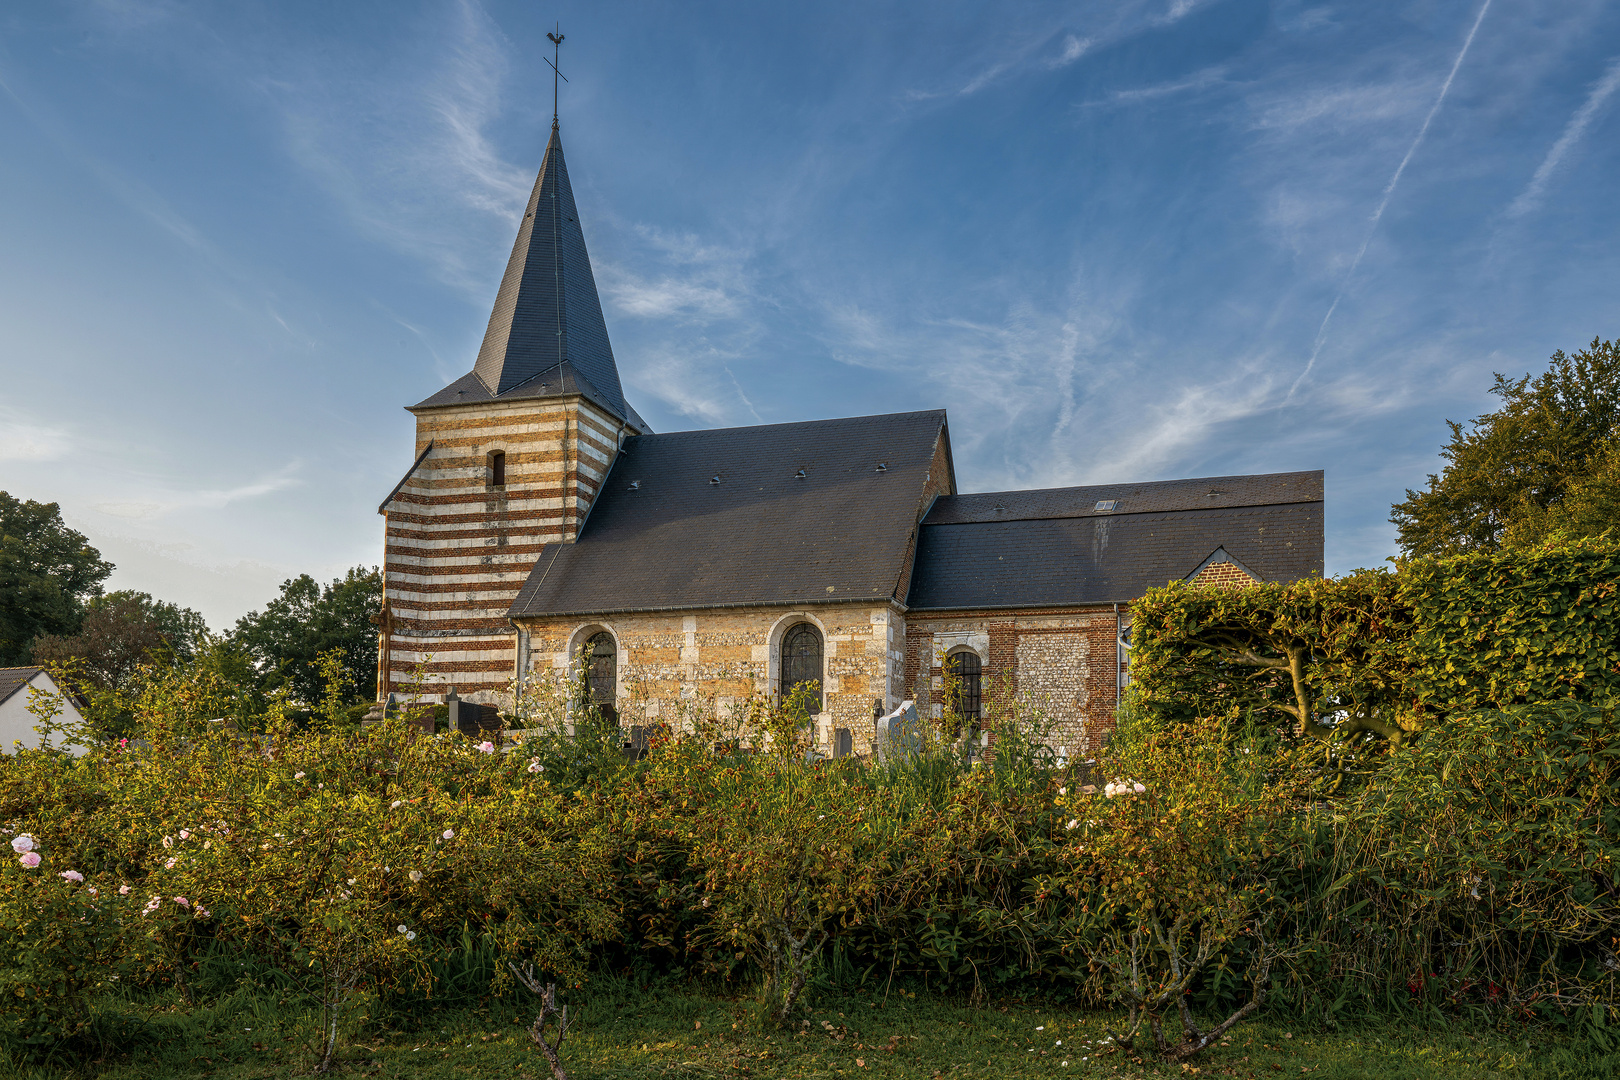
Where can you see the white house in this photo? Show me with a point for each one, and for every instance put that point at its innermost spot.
(17, 723)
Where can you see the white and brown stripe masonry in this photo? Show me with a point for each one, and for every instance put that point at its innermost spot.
(459, 547)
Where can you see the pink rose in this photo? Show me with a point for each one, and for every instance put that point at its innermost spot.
(486, 747)
(182, 901)
(72, 875)
(123, 890)
(29, 859)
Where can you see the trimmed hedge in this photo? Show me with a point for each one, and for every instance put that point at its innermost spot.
(1505, 628)
(1381, 651)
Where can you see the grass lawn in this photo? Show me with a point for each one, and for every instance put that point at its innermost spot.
(694, 1034)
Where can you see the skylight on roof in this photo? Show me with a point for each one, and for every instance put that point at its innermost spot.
(1105, 506)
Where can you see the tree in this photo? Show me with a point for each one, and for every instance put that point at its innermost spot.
(1545, 463)
(121, 631)
(287, 638)
(47, 573)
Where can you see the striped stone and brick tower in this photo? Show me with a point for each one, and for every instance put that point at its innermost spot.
(509, 458)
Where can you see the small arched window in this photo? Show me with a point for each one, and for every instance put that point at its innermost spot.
(965, 668)
(497, 468)
(801, 661)
(602, 673)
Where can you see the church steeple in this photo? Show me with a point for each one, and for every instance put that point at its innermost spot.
(547, 312)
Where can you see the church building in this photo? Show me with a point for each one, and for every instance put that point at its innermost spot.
(543, 523)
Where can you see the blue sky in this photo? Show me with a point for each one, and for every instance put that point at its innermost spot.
(235, 238)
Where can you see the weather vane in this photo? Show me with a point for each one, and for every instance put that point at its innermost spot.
(556, 39)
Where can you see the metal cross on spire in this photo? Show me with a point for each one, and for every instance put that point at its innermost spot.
(556, 39)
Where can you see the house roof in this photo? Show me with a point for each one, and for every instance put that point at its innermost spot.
(662, 535)
(13, 679)
(547, 312)
(1053, 548)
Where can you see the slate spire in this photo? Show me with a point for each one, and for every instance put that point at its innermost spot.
(547, 311)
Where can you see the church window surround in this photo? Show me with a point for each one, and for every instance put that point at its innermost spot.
(497, 468)
(965, 692)
(801, 660)
(601, 659)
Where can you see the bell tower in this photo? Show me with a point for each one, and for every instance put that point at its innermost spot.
(508, 458)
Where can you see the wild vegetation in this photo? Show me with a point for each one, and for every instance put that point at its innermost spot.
(1214, 867)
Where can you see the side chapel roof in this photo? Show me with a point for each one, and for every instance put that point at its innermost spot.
(1095, 545)
(724, 517)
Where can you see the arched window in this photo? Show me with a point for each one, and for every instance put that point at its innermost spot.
(602, 672)
(801, 661)
(964, 666)
(497, 468)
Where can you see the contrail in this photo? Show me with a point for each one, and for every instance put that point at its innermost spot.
(1389, 190)
(1530, 197)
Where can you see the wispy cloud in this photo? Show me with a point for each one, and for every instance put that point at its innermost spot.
(160, 499)
(1389, 191)
(1044, 50)
(407, 152)
(1178, 10)
(1201, 80)
(24, 439)
(1530, 198)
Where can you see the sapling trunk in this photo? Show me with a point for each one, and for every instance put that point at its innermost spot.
(548, 1014)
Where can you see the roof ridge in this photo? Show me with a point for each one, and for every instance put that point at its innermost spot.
(800, 423)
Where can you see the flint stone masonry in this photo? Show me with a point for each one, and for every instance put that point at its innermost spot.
(1063, 666)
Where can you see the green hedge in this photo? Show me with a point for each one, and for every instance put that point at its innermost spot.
(1383, 651)
(1500, 629)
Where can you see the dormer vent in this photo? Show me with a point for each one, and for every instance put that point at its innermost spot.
(635, 485)
(799, 475)
(714, 481)
(882, 466)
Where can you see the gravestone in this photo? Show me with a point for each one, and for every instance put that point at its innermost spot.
(843, 743)
(897, 733)
(472, 719)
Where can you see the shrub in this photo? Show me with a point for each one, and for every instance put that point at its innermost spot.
(58, 946)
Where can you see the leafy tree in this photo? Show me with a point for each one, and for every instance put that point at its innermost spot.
(47, 573)
(119, 632)
(287, 638)
(1545, 463)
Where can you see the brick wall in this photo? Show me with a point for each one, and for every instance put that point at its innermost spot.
(1224, 575)
(458, 549)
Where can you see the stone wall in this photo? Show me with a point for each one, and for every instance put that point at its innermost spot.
(675, 666)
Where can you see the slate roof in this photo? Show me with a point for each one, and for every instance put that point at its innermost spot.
(556, 381)
(547, 312)
(1206, 493)
(13, 679)
(1052, 548)
(762, 535)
